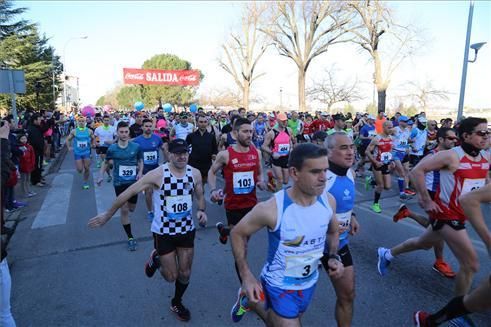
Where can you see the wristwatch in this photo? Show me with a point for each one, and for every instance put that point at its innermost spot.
(335, 257)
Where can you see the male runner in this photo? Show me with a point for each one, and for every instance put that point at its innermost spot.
(298, 220)
(150, 145)
(242, 172)
(339, 124)
(80, 141)
(382, 162)
(417, 141)
(174, 184)
(479, 299)
(367, 133)
(182, 129)
(126, 159)
(446, 140)
(341, 185)
(279, 143)
(401, 157)
(106, 134)
(462, 169)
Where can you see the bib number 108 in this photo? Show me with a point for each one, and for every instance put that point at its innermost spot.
(180, 207)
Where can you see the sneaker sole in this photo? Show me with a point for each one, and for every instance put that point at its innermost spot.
(177, 316)
(379, 260)
(233, 307)
(416, 319)
(146, 264)
(442, 274)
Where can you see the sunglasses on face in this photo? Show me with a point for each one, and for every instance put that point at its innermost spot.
(482, 133)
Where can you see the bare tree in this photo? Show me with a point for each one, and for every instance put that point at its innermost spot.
(330, 91)
(220, 98)
(303, 30)
(244, 48)
(424, 94)
(375, 23)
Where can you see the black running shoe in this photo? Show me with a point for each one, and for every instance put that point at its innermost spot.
(182, 313)
(221, 230)
(152, 264)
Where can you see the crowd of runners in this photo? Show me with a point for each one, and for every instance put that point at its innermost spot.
(310, 163)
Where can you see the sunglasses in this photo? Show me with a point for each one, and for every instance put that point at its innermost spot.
(452, 138)
(482, 133)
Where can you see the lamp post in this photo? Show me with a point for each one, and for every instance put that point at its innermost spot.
(64, 67)
(475, 47)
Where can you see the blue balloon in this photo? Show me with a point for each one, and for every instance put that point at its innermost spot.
(167, 107)
(193, 108)
(139, 106)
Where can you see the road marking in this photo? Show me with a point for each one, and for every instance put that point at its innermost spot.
(104, 195)
(365, 207)
(54, 210)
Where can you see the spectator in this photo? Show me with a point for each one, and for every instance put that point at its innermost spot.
(36, 139)
(27, 162)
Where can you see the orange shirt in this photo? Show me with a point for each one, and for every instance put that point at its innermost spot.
(378, 124)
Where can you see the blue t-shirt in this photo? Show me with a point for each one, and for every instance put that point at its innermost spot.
(150, 148)
(125, 162)
(367, 130)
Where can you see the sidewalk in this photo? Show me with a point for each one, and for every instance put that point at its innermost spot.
(14, 217)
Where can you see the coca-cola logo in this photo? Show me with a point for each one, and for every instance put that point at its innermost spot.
(188, 78)
(137, 76)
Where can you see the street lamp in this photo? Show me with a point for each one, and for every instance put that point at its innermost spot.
(475, 47)
(64, 66)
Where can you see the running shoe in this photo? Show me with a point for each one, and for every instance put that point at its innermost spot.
(409, 192)
(223, 237)
(86, 186)
(419, 318)
(271, 182)
(376, 208)
(18, 204)
(150, 216)
(31, 194)
(402, 213)
(383, 263)
(182, 313)
(462, 321)
(403, 197)
(152, 264)
(240, 308)
(131, 244)
(443, 269)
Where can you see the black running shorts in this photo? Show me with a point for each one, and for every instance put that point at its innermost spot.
(280, 162)
(234, 216)
(165, 244)
(345, 255)
(121, 188)
(101, 149)
(437, 224)
(384, 169)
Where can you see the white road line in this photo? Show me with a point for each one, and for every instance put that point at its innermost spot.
(104, 195)
(54, 209)
(365, 207)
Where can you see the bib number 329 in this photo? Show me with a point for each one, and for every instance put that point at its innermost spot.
(127, 172)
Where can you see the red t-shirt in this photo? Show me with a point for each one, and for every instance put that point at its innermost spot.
(321, 125)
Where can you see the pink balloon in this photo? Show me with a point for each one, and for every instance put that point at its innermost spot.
(88, 111)
(107, 108)
(161, 123)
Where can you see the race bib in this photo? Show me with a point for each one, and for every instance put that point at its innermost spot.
(472, 184)
(386, 157)
(344, 220)
(150, 158)
(372, 132)
(127, 173)
(301, 267)
(243, 182)
(284, 149)
(82, 145)
(178, 207)
(403, 143)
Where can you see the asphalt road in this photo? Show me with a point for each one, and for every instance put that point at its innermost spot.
(64, 274)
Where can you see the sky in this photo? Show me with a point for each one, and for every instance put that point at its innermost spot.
(125, 34)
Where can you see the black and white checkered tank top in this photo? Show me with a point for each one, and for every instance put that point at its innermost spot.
(173, 204)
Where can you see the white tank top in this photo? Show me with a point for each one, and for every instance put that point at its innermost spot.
(173, 203)
(182, 132)
(296, 244)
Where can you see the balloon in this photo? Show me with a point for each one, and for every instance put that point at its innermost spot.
(107, 108)
(139, 105)
(193, 108)
(88, 111)
(167, 107)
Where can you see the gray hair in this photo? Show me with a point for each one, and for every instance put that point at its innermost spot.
(330, 141)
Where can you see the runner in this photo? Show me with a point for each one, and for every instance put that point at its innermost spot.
(478, 300)
(137, 128)
(382, 163)
(182, 129)
(174, 185)
(401, 158)
(150, 146)
(339, 124)
(462, 169)
(298, 220)
(259, 129)
(307, 130)
(126, 159)
(341, 185)
(80, 141)
(446, 140)
(106, 135)
(295, 125)
(278, 143)
(229, 138)
(417, 141)
(242, 172)
(367, 133)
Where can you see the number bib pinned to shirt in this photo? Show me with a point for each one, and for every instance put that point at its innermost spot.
(178, 207)
(385, 157)
(127, 173)
(283, 149)
(82, 145)
(301, 267)
(243, 182)
(150, 158)
(470, 185)
(344, 220)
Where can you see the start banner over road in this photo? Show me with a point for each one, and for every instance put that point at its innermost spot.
(161, 77)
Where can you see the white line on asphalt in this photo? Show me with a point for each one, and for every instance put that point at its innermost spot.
(54, 209)
(104, 195)
(365, 207)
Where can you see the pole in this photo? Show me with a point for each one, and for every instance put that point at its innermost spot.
(13, 96)
(460, 110)
(281, 97)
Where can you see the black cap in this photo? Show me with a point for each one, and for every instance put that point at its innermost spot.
(339, 117)
(178, 146)
(319, 135)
